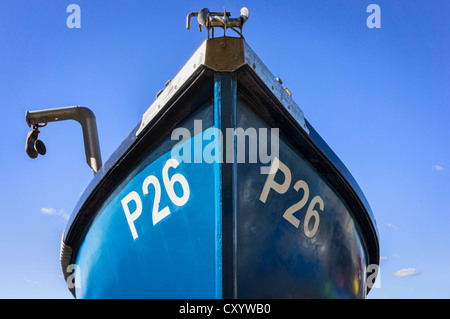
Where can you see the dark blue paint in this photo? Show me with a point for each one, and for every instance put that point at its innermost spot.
(276, 259)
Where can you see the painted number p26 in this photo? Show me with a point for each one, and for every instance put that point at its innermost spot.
(158, 213)
(315, 205)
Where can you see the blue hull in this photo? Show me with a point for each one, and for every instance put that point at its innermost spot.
(184, 216)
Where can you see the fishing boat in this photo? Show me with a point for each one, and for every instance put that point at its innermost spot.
(222, 190)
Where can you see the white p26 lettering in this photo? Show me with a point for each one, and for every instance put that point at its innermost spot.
(289, 213)
(169, 185)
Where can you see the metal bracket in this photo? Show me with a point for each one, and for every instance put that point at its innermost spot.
(82, 115)
(212, 20)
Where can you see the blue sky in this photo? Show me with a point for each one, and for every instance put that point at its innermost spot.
(379, 97)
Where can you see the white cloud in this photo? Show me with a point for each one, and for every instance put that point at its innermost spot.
(394, 227)
(406, 272)
(384, 258)
(63, 214)
(30, 281)
(48, 211)
(54, 212)
(438, 167)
